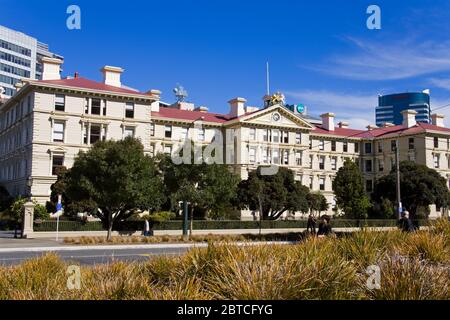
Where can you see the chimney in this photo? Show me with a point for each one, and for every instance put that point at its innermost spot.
(249, 109)
(328, 121)
(154, 92)
(237, 107)
(388, 124)
(437, 120)
(76, 75)
(343, 124)
(409, 118)
(183, 105)
(371, 127)
(18, 86)
(51, 68)
(111, 76)
(201, 109)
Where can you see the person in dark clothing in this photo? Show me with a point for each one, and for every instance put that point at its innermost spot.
(311, 224)
(405, 224)
(324, 227)
(18, 230)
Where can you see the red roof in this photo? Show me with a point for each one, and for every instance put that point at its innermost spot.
(173, 113)
(420, 127)
(367, 134)
(84, 83)
(428, 126)
(345, 132)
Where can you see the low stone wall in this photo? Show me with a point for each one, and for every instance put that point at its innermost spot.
(64, 234)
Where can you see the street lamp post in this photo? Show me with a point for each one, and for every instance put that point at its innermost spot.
(185, 203)
(29, 185)
(185, 219)
(397, 163)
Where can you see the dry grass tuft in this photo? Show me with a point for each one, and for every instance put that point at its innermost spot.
(413, 266)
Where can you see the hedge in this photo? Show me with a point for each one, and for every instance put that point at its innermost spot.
(211, 224)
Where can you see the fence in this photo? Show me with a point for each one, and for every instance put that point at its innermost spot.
(212, 224)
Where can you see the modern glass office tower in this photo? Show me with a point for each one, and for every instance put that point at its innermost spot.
(20, 57)
(390, 107)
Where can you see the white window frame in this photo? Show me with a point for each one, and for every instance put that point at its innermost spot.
(63, 123)
(333, 163)
(252, 134)
(298, 138)
(129, 129)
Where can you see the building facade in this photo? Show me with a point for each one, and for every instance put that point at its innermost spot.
(390, 107)
(20, 57)
(46, 123)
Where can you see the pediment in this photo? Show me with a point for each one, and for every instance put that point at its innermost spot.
(276, 116)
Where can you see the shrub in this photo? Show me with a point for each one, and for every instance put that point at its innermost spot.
(17, 210)
(40, 212)
(316, 268)
(410, 279)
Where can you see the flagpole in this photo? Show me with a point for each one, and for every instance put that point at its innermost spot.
(57, 226)
(58, 211)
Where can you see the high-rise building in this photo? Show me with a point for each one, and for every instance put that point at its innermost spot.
(20, 57)
(390, 107)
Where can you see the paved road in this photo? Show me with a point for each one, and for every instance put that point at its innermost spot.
(91, 256)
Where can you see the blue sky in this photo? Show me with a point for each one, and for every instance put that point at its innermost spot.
(320, 52)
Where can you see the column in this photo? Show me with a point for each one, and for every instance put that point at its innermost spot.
(28, 219)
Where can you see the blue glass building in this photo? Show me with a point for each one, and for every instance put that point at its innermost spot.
(390, 107)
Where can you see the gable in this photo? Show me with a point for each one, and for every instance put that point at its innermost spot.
(276, 116)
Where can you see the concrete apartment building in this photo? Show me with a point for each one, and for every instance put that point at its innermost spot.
(20, 57)
(47, 122)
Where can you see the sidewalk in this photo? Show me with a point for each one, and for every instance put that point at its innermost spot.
(7, 240)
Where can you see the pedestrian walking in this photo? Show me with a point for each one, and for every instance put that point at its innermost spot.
(146, 228)
(405, 223)
(324, 226)
(311, 224)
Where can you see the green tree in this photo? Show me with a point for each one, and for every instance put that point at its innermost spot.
(420, 187)
(58, 188)
(317, 202)
(210, 188)
(116, 179)
(17, 210)
(273, 195)
(348, 187)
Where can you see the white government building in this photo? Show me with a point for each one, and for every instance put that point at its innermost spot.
(47, 122)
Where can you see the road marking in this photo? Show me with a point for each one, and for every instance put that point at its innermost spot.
(141, 246)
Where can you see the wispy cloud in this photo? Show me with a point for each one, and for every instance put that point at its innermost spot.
(441, 106)
(440, 83)
(357, 109)
(388, 60)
